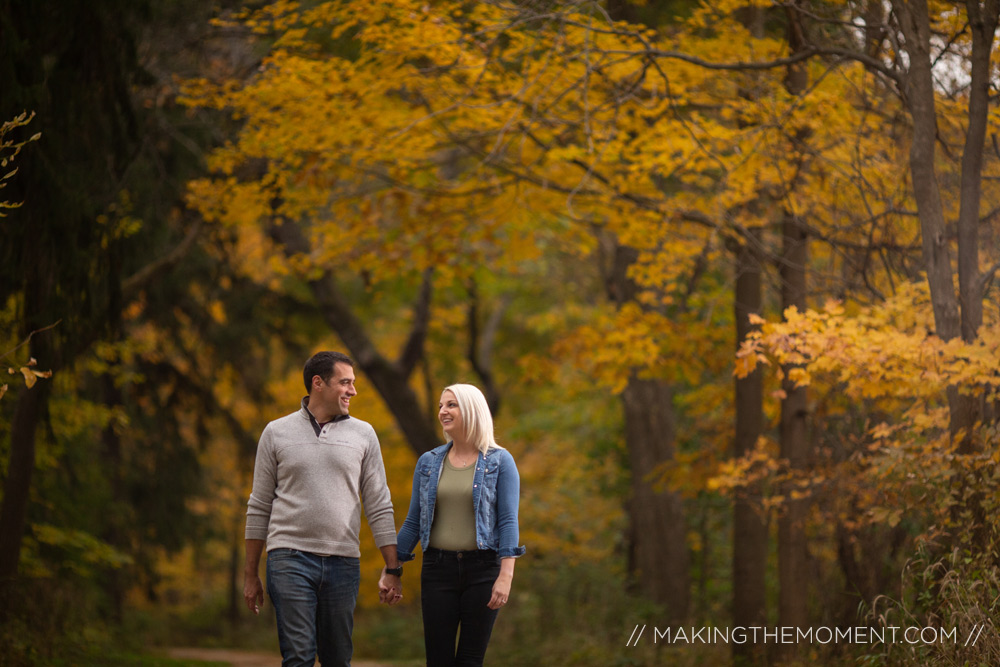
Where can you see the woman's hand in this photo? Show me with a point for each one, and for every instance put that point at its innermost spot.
(501, 590)
(390, 588)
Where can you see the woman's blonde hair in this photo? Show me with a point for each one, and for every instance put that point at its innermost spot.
(476, 417)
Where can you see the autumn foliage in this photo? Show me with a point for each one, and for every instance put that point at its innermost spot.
(569, 203)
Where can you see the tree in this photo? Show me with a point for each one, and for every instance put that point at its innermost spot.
(452, 137)
(45, 273)
(9, 149)
(954, 314)
(79, 253)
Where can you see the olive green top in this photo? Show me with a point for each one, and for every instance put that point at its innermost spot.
(454, 527)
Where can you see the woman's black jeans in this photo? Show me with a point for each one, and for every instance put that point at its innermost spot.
(455, 589)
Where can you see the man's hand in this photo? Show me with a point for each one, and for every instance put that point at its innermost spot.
(253, 593)
(390, 588)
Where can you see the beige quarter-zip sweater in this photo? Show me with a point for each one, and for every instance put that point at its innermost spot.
(309, 483)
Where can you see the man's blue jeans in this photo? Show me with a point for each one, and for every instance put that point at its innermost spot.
(313, 598)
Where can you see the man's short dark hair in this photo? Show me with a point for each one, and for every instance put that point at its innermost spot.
(322, 364)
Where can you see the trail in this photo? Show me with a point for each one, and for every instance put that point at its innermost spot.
(244, 658)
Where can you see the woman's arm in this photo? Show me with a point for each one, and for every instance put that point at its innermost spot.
(501, 587)
(508, 499)
(409, 533)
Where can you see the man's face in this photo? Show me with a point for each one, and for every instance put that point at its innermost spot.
(336, 393)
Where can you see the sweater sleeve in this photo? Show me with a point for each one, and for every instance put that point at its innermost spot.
(265, 476)
(375, 495)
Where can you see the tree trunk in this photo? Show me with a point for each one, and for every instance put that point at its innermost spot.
(749, 524)
(658, 554)
(919, 96)
(114, 531)
(17, 486)
(793, 575)
(983, 24)
(658, 546)
(28, 414)
(950, 320)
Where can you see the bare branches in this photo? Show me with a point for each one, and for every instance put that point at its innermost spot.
(145, 275)
(27, 339)
(740, 66)
(987, 278)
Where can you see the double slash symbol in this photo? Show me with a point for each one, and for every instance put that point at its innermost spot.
(636, 629)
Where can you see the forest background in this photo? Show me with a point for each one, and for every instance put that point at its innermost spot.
(725, 271)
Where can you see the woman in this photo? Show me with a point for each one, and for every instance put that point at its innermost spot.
(463, 510)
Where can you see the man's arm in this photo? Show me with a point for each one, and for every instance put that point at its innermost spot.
(253, 591)
(390, 586)
(377, 501)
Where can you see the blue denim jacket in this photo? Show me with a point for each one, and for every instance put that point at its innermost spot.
(496, 488)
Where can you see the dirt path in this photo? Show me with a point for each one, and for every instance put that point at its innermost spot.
(243, 658)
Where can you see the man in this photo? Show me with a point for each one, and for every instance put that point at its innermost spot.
(314, 468)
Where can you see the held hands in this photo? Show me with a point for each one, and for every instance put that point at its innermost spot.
(390, 588)
(501, 591)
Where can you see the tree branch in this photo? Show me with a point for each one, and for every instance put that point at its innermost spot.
(27, 339)
(388, 378)
(987, 278)
(480, 350)
(413, 350)
(145, 275)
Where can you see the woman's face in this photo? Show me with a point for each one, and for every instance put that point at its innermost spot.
(449, 415)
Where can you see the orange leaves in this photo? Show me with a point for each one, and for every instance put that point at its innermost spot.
(634, 340)
(355, 148)
(887, 515)
(745, 364)
(880, 361)
(873, 358)
(27, 370)
(30, 374)
(878, 382)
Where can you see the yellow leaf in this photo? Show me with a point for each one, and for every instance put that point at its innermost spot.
(799, 376)
(745, 365)
(31, 375)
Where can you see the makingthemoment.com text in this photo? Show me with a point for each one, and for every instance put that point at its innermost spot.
(793, 635)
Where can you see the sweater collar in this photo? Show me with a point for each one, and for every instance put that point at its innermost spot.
(312, 420)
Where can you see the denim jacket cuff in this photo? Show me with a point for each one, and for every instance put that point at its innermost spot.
(508, 552)
(404, 556)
